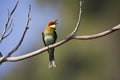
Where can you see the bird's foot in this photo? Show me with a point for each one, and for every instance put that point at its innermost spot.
(51, 64)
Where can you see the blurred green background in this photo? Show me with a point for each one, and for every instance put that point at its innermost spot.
(96, 59)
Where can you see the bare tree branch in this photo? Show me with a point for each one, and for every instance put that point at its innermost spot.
(8, 20)
(40, 51)
(21, 40)
(94, 36)
(68, 38)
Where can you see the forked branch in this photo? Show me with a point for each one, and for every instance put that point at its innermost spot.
(7, 26)
(21, 40)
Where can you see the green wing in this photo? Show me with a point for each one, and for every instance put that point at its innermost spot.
(43, 38)
(55, 36)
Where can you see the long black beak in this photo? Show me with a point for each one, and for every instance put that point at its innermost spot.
(56, 21)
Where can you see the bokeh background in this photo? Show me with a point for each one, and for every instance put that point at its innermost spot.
(96, 59)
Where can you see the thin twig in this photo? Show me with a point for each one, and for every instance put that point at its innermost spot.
(79, 19)
(8, 12)
(14, 8)
(8, 33)
(11, 28)
(8, 20)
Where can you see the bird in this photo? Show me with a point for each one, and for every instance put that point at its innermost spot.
(49, 37)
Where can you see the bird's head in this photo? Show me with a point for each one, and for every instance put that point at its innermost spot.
(52, 24)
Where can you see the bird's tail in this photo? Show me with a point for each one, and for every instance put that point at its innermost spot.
(51, 58)
(51, 64)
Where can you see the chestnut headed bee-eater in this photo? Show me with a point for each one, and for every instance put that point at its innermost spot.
(49, 36)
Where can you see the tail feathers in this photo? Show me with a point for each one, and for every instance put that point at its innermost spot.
(51, 64)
